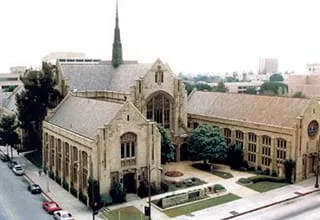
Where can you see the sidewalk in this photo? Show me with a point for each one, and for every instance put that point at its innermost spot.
(52, 190)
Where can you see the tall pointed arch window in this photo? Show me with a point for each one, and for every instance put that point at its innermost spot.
(159, 109)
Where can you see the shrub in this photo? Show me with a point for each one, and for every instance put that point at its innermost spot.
(83, 198)
(202, 166)
(244, 181)
(274, 173)
(178, 184)
(58, 180)
(65, 184)
(51, 174)
(289, 165)
(154, 189)
(74, 192)
(164, 186)
(266, 172)
(45, 170)
(194, 179)
(259, 168)
(143, 189)
(256, 179)
(253, 169)
(117, 193)
(218, 187)
(106, 200)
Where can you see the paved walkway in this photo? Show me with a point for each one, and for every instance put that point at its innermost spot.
(52, 190)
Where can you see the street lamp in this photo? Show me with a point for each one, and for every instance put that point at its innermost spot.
(317, 166)
(149, 187)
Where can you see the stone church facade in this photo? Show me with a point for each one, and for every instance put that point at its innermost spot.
(270, 129)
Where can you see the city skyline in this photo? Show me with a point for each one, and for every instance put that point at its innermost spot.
(192, 36)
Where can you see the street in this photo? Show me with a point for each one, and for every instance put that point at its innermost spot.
(16, 202)
(307, 207)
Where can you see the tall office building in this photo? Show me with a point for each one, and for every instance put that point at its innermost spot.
(268, 65)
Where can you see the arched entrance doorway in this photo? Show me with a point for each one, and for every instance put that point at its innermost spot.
(129, 182)
(184, 155)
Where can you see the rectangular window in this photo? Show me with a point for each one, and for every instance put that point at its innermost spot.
(122, 150)
(133, 153)
(127, 149)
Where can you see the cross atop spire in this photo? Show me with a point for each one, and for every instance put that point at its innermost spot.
(117, 47)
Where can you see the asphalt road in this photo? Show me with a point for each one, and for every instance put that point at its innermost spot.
(306, 207)
(16, 202)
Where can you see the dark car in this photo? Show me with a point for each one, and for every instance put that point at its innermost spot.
(34, 188)
(4, 157)
(12, 163)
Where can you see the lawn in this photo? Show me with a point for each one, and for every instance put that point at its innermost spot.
(127, 213)
(265, 186)
(183, 210)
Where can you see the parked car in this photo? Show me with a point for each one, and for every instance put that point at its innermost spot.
(62, 215)
(4, 157)
(18, 170)
(12, 163)
(34, 188)
(50, 207)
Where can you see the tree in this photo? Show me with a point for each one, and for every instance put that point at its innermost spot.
(221, 87)
(117, 193)
(33, 102)
(298, 95)
(289, 166)
(276, 77)
(8, 134)
(251, 90)
(235, 156)
(167, 148)
(206, 143)
(273, 88)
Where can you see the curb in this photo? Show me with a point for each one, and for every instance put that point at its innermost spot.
(271, 204)
(45, 195)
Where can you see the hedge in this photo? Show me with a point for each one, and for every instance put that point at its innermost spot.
(256, 179)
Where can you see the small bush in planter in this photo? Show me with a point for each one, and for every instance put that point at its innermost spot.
(218, 187)
(51, 174)
(65, 184)
(274, 173)
(58, 180)
(143, 189)
(164, 186)
(74, 192)
(83, 198)
(45, 170)
(259, 168)
(106, 199)
(244, 181)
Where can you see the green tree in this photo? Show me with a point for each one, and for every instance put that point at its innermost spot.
(251, 90)
(289, 166)
(273, 88)
(206, 143)
(276, 77)
(167, 148)
(117, 193)
(33, 102)
(189, 87)
(8, 134)
(235, 156)
(298, 95)
(221, 87)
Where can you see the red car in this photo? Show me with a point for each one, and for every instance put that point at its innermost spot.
(51, 206)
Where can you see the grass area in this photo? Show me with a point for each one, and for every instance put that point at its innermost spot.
(265, 186)
(127, 213)
(35, 158)
(201, 205)
(222, 174)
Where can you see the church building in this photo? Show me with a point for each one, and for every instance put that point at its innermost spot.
(105, 127)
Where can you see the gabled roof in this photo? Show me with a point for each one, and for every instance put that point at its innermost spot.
(83, 115)
(271, 110)
(103, 76)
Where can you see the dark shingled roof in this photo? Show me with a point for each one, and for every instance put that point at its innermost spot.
(83, 115)
(277, 111)
(82, 77)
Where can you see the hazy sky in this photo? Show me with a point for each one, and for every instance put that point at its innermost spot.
(191, 35)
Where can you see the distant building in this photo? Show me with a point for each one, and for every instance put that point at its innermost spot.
(268, 65)
(307, 84)
(313, 67)
(54, 56)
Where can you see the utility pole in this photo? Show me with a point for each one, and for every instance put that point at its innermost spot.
(317, 166)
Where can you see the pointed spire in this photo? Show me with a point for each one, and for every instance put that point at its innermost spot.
(117, 47)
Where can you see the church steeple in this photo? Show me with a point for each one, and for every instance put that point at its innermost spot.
(117, 47)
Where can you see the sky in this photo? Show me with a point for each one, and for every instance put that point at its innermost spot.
(192, 36)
